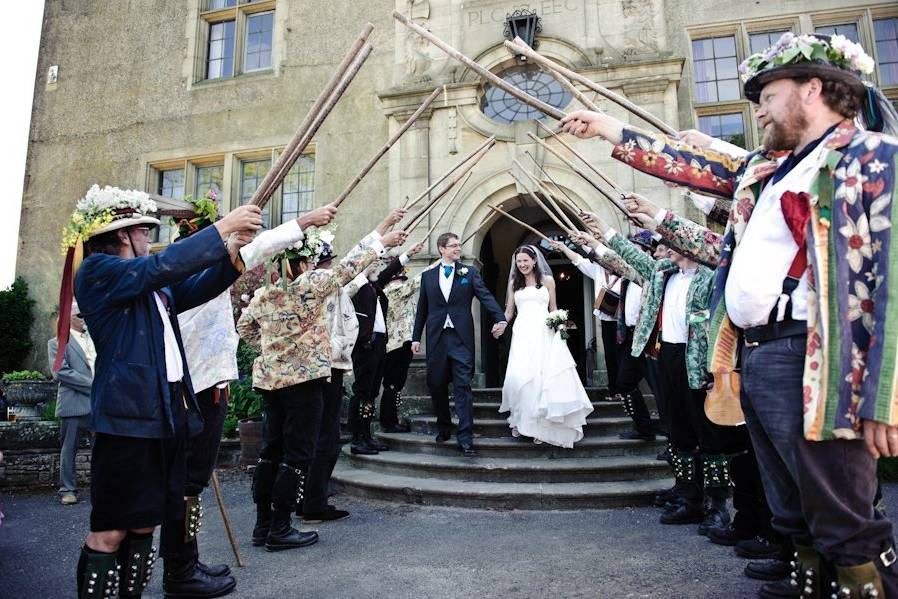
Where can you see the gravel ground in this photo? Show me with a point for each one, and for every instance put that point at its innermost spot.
(405, 551)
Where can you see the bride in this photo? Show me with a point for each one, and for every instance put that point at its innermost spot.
(542, 390)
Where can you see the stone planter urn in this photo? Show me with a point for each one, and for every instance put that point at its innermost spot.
(28, 397)
(250, 431)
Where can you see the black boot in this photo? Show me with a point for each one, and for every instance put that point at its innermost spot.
(193, 521)
(370, 440)
(716, 477)
(182, 577)
(287, 492)
(687, 506)
(263, 481)
(811, 577)
(211, 570)
(97, 574)
(137, 557)
(771, 570)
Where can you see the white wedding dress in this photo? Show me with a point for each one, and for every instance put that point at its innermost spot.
(542, 390)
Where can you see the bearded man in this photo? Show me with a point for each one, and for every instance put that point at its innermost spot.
(801, 291)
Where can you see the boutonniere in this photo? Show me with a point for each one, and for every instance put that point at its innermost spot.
(463, 271)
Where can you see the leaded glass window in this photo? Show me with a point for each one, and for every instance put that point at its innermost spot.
(501, 106)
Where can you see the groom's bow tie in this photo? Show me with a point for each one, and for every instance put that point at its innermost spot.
(447, 270)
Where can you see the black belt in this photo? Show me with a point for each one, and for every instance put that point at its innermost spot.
(775, 330)
(376, 335)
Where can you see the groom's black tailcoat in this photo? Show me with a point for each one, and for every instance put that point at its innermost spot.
(450, 353)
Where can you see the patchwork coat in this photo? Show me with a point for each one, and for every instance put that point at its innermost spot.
(850, 366)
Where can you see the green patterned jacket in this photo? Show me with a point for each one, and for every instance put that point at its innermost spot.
(698, 299)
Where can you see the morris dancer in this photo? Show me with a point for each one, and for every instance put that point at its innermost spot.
(143, 407)
(802, 288)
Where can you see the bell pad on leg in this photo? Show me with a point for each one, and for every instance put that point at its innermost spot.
(683, 463)
(137, 557)
(716, 470)
(193, 517)
(98, 574)
(858, 582)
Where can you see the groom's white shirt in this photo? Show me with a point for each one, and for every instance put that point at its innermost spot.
(446, 288)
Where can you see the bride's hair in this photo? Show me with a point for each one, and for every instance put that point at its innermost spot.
(518, 280)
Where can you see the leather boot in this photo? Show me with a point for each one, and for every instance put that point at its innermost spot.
(137, 557)
(809, 578)
(717, 516)
(370, 440)
(287, 492)
(97, 574)
(182, 578)
(263, 481)
(687, 506)
(211, 570)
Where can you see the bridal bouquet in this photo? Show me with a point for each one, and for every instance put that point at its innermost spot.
(558, 322)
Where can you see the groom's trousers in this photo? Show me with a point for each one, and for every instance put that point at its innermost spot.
(452, 360)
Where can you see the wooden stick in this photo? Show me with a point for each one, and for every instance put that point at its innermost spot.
(595, 185)
(498, 82)
(461, 173)
(522, 223)
(520, 47)
(544, 207)
(559, 201)
(542, 189)
(488, 142)
(386, 147)
(271, 181)
(568, 84)
(226, 519)
(476, 231)
(448, 205)
(592, 167)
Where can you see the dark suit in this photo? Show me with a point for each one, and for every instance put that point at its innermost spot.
(369, 353)
(450, 351)
(72, 407)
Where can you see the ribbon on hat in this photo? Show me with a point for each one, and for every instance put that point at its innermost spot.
(74, 256)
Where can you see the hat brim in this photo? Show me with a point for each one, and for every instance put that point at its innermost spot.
(822, 70)
(122, 223)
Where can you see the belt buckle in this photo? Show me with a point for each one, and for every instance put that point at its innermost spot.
(888, 557)
(752, 343)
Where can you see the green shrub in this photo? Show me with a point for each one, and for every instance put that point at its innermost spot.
(24, 375)
(16, 318)
(245, 357)
(49, 412)
(244, 402)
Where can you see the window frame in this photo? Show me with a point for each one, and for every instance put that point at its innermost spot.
(239, 13)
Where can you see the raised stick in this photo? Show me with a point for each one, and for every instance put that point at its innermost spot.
(551, 200)
(518, 46)
(476, 231)
(488, 142)
(522, 223)
(225, 518)
(453, 53)
(568, 84)
(543, 206)
(270, 182)
(595, 185)
(386, 147)
(564, 199)
(570, 149)
(467, 167)
(448, 205)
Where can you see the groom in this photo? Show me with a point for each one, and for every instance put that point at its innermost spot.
(445, 305)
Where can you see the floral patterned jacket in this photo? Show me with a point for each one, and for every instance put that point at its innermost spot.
(290, 326)
(850, 366)
(402, 301)
(698, 297)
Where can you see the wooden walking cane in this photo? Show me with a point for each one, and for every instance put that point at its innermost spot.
(497, 81)
(542, 205)
(461, 173)
(548, 195)
(617, 188)
(520, 222)
(386, 147)
(487, 142)
(558, 201)
(344, 74)
(518, 46)
(226, 519)
(476, 231)
(594, 185)
(448, 205)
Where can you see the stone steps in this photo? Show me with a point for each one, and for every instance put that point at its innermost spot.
(490, 409)
(509, 447)
(498, 427)
(511, 470)
(496, 495)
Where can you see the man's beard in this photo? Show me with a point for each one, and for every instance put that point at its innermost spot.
(786, 135)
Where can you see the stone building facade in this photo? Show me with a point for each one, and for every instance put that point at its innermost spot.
(179, 96)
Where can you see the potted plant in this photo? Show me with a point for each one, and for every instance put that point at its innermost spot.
(244, 415)
(26, 390)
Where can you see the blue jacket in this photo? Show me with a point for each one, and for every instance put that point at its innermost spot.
(130, 395)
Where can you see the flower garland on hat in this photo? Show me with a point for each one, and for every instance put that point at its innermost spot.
(838, 51)
(205, 213)
(99, 208)
(315, 242)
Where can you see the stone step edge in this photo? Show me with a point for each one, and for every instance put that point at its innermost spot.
(422, 460)
(423, 418)
(596, 441)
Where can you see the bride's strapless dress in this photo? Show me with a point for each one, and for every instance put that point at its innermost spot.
(542, 390)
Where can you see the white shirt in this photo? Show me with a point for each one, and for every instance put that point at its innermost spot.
(87, 346)
(602, 277)
(446, 287)
(765, 253)
(673, 311)
(174, 368)
(632, 304)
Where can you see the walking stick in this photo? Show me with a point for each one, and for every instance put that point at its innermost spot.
(617, 188)
(487, 142)
(550, 199)
(520, 222)
(226, 519)
(544, 207)
(519, 46)
(448, 205)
